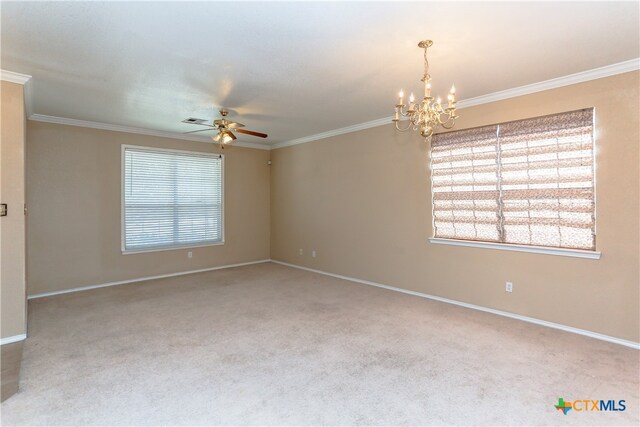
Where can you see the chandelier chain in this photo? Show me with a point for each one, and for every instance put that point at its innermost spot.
(426, 76)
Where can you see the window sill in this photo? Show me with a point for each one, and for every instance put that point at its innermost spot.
(168, 248)
(576, 253)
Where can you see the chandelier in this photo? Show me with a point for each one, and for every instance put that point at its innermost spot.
(428, 114)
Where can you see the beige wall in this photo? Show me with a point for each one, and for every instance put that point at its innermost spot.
(362, 201)
(12, 226)
(73, 236)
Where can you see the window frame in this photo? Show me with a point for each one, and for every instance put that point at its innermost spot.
(123, 249)
(548, 250)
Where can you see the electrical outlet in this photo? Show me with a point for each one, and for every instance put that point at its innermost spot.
(509, 287)
(300, 252)
(189, 254)
(313, 254)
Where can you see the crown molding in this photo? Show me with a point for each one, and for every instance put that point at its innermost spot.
(584, 76)
(24, 80)
(340, 131)
(571, 79)
(10, 76)
(136, 130)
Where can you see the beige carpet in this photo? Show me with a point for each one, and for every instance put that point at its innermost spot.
(268, 344)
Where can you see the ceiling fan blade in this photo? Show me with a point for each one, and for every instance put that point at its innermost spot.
(250, 132)
(201, 130)
(234, 125)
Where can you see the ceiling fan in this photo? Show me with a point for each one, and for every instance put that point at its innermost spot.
(223, 127)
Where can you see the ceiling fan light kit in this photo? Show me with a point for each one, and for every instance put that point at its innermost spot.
(224, 127)
(429, 114)
(224, 137)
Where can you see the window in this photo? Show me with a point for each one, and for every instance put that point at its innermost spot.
(170, 199)
(529, 182)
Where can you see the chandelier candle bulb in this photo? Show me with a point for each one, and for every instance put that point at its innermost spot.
(427, 115)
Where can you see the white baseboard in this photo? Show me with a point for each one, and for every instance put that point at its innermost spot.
(565, 328)
(142, 279)
(15, 338)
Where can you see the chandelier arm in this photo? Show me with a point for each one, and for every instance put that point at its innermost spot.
(450, 118)
(448, 126)
(405, 129)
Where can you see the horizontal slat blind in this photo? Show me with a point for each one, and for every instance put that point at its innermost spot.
(533, 186)
(171, 199)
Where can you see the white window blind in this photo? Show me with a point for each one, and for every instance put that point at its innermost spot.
(171, 199)
(529, 182)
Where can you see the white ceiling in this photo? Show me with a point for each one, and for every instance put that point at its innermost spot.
(294, 69)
